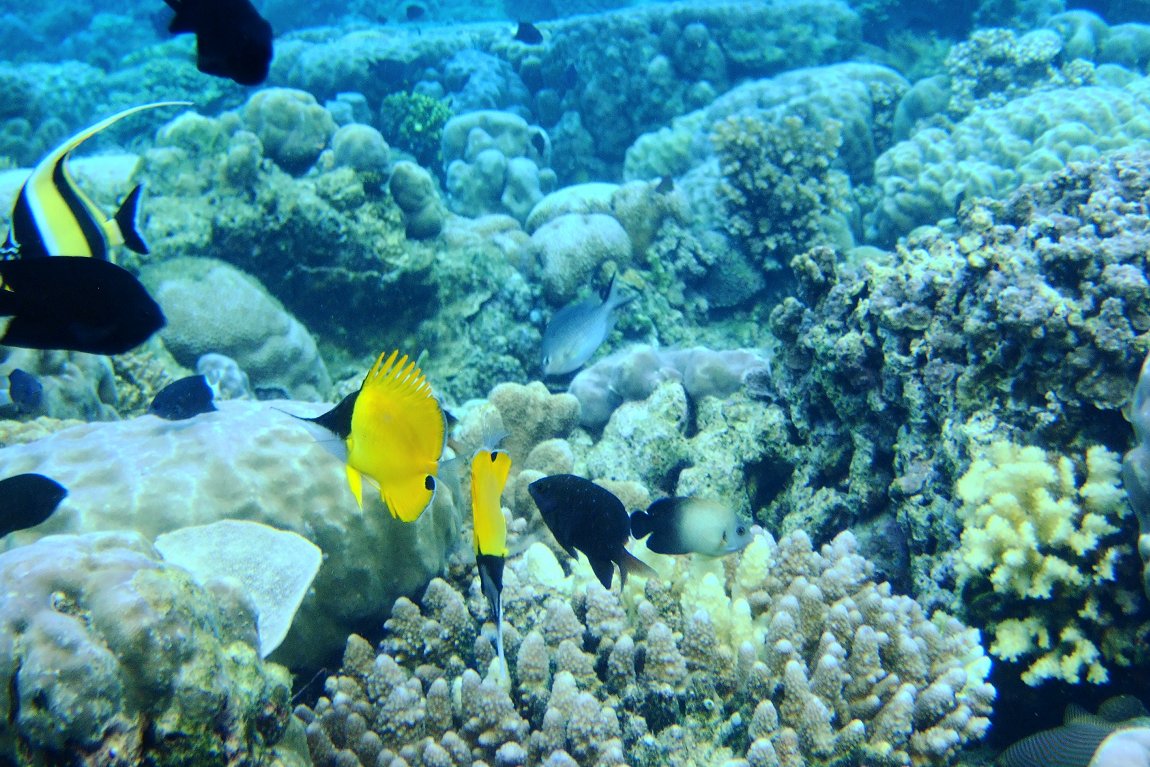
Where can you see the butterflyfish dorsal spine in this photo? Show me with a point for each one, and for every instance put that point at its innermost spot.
(52, 216)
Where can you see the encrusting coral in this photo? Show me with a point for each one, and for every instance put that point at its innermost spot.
(1054, 552)
(782, 656)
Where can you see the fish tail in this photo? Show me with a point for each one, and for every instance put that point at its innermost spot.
(126, 220)
(641, 524)
(629, 564)
(355, 482)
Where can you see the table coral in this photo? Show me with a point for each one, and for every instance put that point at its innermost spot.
(1053, 551)
(112, 657)
(828, 667)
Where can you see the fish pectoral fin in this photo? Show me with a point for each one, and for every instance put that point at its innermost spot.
(126, 221)
(407, 499)
(355, 482)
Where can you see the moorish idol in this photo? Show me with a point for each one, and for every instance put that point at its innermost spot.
(489, 471)
(581, 515)
(391, 431)
(52, 216)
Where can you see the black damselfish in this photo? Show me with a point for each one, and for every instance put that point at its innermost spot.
(232, 39)
(76, 303)
(185, 398)
(26, 500)
(528, 33)
(25, 390)
(586, 517)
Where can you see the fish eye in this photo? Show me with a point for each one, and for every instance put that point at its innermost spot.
(492, 455)
(429, 483)
(741, 530)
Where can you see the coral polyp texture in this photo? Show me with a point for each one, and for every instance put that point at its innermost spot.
(1057, 553)
(787, 656)
(109, 656)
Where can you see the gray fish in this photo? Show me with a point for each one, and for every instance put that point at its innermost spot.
(578, 329)
(690, 525)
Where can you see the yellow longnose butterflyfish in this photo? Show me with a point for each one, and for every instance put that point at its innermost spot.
(489, 471)
(392, 432)
(52, 216)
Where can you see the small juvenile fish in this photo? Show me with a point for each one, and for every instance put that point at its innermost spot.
(528, 33)
(584, 516)
(25, 390)
(690, 526)
(74, 302)
(392, 431)
(578, 329)
(53, 217)
(232, 39)
(489, 471)
(185, 398)
(26, 500)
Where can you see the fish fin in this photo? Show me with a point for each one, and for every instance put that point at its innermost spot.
(126, 219)
(355, 482)
(629, 564)
(616, 296)
(329, 440)
(641, 524)
(604, 570)
(491, 581)
(448, 474)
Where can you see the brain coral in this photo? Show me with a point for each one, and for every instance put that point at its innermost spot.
(792, 656)
(247, 461)
(111, 657)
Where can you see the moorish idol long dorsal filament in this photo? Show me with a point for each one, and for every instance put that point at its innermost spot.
(52, 216)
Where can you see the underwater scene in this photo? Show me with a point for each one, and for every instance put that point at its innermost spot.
(575, 383)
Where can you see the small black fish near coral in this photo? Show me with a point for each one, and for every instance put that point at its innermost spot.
(25, 390)
(232, 39)
(528, 33)
(26, 500)
(185, 398)
(76, 303)
(415, 12)
(584, 516)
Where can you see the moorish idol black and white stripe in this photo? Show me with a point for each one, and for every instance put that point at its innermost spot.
(52, 216)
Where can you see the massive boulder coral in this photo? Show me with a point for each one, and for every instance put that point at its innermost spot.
(109, 656)
(246, 461)
(791, 656)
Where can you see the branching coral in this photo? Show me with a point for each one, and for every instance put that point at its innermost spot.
(788, 657)
(779, 183)
(1052, 552)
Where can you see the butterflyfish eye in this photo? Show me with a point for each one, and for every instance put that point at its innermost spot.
(429, 483)
(740, 530)
(492, 456)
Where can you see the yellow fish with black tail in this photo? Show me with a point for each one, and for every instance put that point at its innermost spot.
(392, 432)
(490, 468)
(52, 216)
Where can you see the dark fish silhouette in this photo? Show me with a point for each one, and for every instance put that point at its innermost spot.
(74, 302)
(232, 39)
(185, 398)
(26, 500)
(528, 33)
(25, 390)
(586, 517)
(415, 12)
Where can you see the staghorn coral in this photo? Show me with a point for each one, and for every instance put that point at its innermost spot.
(779, 183)
(789, 656)
(1053, 551)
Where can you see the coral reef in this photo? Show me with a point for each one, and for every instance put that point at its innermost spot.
(292, 128)
(791, 656)
(1136, 467)
(246, 461)
(1054, 553)
(75, 385)
(414, 122)
(413, 190)
(112, 657)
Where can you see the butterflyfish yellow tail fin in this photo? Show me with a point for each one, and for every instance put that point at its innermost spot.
(355, 482)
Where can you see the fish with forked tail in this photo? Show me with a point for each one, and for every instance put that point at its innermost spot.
(584, 516)
(578, 329)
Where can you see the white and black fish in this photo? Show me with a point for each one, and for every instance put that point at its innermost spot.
(690, 526)
(578, 329)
